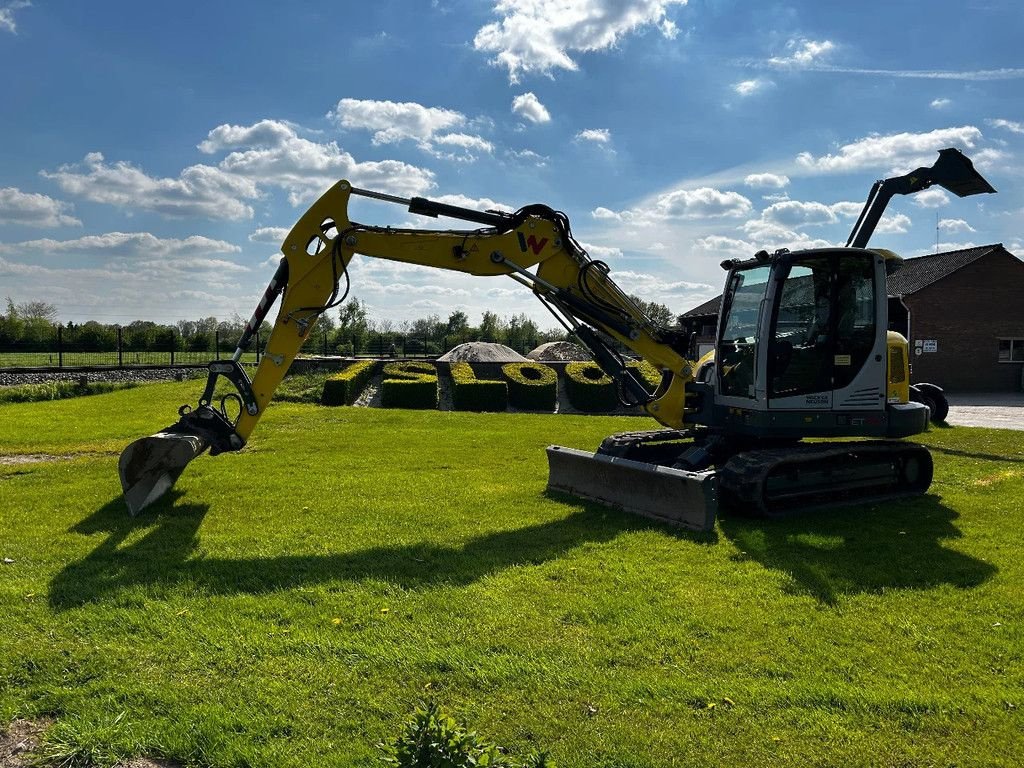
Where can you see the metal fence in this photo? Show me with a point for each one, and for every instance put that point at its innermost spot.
(84, 346)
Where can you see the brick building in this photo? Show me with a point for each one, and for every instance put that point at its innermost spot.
(962, 311)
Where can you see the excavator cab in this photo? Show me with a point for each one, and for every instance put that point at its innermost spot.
(803, 348)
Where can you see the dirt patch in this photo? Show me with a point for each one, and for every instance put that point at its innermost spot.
(38, 458)
(19, 741)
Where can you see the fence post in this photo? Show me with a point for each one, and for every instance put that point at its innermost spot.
(257, 346)
(172, 347)
(216, 344)
(60, 346)
(120, 349)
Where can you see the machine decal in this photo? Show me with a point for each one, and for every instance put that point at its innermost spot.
(532, 243)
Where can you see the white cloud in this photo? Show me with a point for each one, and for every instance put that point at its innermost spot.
(1011, 125)
(274, 235)
(528, 106)
(704, 202)
(595, 135)
(681, 204)
(539, 35)
(200, 190)
(900, 151)
(123, 245)
(767, 180)
(602, 251)
(794, 213)
(930, 198)
(751, 87)
(7, 14)
(894, 224)
(529, 156)
(265, 133)
(803, 53)
(393, 122)
(34, 210)
(940, 103)
(306, 168)
(955, 225)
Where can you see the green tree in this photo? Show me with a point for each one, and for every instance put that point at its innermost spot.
(353, 324)
(658, 313)
(492, 327)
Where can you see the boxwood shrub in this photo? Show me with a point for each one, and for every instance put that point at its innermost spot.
(531, 386)
(589, 388)
(647, 372)
(409, 385)
(472, 394)
(344, 387)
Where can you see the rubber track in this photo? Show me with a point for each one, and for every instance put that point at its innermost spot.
(743, 479)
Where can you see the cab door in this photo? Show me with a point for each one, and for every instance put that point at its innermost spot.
(823, 330)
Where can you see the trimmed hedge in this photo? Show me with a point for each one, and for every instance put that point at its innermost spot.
(531, 386)
(589, 388)
(409, 385)
(343, 388)
(647, 372)
(472, 394)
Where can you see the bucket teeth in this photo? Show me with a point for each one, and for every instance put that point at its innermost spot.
(669, 495)
(149, 467)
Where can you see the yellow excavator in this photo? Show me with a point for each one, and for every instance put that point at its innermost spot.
(803, 350)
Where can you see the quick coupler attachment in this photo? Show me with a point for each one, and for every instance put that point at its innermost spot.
(149, 467)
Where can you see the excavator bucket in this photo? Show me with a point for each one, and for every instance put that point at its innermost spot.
(151, 465)
(662, 493)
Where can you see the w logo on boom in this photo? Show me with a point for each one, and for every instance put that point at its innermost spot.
(532, 243)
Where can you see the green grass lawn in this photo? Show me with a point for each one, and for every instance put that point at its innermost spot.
(288, 605)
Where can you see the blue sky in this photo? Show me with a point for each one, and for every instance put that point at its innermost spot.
(152, 160)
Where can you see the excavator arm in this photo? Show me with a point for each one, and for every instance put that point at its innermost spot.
(533, 246)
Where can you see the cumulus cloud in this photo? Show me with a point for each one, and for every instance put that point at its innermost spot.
(751, 87)
(538, 36)
(528, 106)
(595, 135)
(767, 180)
(123, 245)
(7, 10)
(267, 154)
(274, 235)
(802, 53)
(200, 190)
(897, 152)
(393, 122)
(1011, 125)
(955, 225)
(930, 198)
(893, 224)
(682, 204)
(34, 210)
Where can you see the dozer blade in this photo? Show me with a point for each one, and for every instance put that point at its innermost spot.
(669, 495)
(149, 467)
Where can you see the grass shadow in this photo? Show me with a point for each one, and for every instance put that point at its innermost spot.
(164, 556)
(841, 551)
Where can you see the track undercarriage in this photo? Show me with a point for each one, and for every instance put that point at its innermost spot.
(695, 473)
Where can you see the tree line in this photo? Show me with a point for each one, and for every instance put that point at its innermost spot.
(33, 326)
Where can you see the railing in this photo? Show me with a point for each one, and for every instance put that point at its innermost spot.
(82, 346)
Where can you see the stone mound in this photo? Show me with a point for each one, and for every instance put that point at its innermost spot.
(555, 351)
(481, 352)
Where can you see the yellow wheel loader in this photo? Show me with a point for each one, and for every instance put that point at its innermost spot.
(803, 351)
